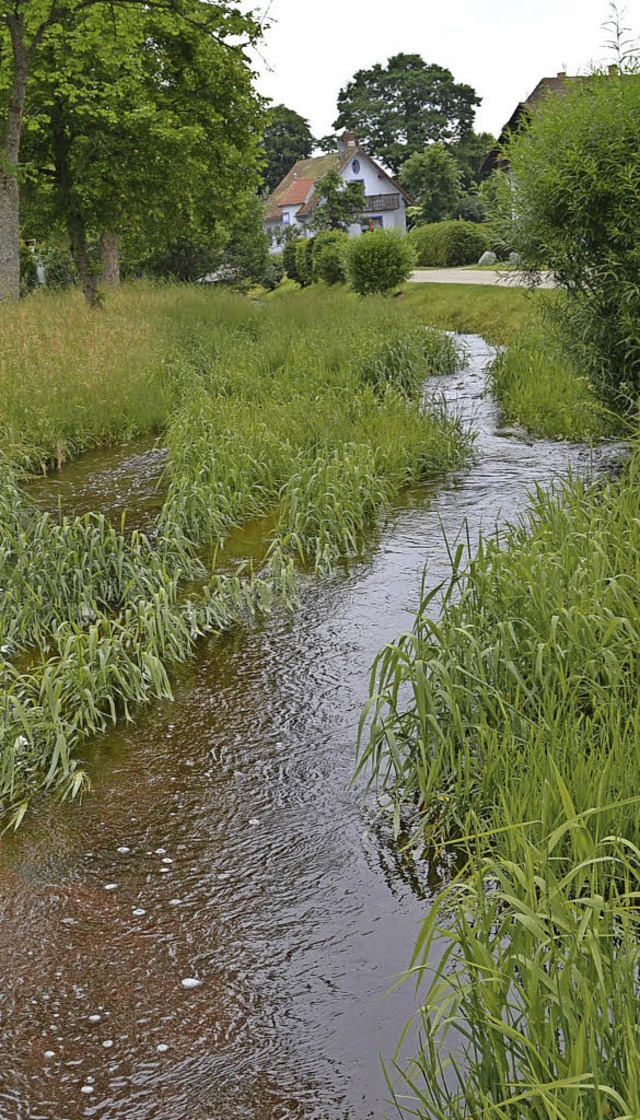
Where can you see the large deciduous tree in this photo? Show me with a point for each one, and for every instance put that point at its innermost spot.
(25, 28)
(397, 109)
(287, 138)
(143, 130)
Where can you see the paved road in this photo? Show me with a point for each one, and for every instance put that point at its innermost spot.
(471, 276)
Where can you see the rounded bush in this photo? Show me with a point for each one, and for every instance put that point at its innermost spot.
(448, 244)
(379, 261)
(329, 256)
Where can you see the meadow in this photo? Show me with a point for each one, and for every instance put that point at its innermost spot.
(306, 411)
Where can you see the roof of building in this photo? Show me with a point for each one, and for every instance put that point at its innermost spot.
(305, 174)
(546, 87)
(305, 171)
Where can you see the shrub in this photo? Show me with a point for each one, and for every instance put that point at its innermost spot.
(329, 256)
(447, 244)
(274, 272)
(304, 261)
(575, 211)
(379, 261)
(289, 260)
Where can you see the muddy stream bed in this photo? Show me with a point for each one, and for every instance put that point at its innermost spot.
(225, 844)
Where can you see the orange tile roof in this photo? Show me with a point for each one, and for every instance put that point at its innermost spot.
(309, 170)
(297, 192)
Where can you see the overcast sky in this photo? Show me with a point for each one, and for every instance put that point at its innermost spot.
(500, 47)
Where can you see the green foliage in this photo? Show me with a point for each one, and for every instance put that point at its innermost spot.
(267, 413)
(577, 170)
(341, 204)
(530, 668)
(497, 313)
(433, 178)
(448, 244)
(471, 208)
(289, 260)
(398, 109)
(404, 363)
(469, 153)
(274, 272)
(330, 256)
(533, 1011)
(304, 261)
(379, 262)
(538, 387)
(286, 139)
(143, 125)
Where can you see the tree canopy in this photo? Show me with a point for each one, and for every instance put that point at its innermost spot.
(341, 203)
(397, 109)
(28, 31)
(433, 178)
(143, 130)
(286, 139)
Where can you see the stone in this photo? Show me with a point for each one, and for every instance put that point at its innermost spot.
(488, 258)
(514, 258)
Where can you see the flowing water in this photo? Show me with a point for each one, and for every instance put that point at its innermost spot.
(224, 844)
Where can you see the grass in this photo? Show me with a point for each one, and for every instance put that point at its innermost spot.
(508, 727)
(496, 313)
(307, 412)
(538, 388)
(535, 384)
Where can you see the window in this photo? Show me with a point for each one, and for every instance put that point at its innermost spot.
(286, 218)
(370, 224)
(355, 166)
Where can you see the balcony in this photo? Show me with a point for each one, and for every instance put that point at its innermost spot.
(377, 203)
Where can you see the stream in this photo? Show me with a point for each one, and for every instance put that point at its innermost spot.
(224, 843)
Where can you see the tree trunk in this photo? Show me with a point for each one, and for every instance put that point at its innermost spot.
(110, 258)
(70, 207)
(9, 159)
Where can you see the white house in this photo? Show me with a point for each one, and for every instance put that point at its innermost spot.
(294, 200)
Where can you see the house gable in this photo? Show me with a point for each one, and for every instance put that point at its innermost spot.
(546, 87)
(295, 198)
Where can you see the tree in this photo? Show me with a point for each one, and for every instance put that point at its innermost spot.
(341, 203)
(397, 109)
(433, 178)
(143, 132)
(570, 204)
(287, 138)
(24, 26)
(469, 152)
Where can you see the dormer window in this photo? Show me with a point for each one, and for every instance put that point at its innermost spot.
(355, 166)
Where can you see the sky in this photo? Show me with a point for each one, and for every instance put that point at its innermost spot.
(500, 47)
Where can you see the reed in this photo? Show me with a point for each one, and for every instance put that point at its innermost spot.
(538, 388)
(505, 728)
(529, 965)
(308, 410)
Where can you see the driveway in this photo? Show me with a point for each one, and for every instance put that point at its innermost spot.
(473, 276)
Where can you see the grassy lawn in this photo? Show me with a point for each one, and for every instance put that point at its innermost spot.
(498, 314)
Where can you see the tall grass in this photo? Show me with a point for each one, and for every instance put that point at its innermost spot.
(538, 387)
(507, 724)
(309, 411)
(532, 1011)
